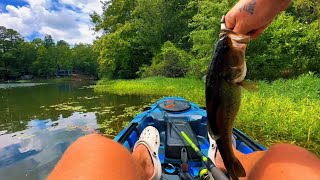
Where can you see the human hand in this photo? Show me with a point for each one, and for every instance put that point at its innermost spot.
(252, 17)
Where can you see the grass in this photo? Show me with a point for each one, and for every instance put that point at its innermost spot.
(190, 89)
(281, 111)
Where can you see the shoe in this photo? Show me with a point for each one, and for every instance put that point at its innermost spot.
(212, 152)
(151, 139)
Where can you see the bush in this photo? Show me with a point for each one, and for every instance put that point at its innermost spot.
(170, 62)
(287, 49)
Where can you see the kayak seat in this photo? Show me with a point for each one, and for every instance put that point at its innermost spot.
(175, 142)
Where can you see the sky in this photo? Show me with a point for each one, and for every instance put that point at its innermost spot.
(67, 20)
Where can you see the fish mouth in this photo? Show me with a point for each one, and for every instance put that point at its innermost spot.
(239, 38)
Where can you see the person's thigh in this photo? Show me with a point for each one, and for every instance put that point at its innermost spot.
(285, 161)
(95, 157)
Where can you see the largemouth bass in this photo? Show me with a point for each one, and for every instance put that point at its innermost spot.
(223, 95)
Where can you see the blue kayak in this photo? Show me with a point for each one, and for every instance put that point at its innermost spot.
(170, 115)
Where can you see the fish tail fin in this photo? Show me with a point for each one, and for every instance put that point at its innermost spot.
(238, 168)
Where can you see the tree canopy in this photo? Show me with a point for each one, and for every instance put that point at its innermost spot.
(42, 58)
(137, 35)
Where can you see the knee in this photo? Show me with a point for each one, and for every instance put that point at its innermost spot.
(284, 161)
(288, 152)
(96, 143)
(91, 138)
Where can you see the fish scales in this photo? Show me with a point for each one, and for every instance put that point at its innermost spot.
(223, 95)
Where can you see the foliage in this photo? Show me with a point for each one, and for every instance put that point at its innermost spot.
(113, 48)
(111, 126)
(169, 62)
(42, 58)
(285, 111)
(9, 42)
(191, 89)
(206, 27)
(135, 32)
(83, 59)
(282, 111)
(288, 48)
(306, 11)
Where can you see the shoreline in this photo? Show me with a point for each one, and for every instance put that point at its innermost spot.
(282, 111)
(73, 77)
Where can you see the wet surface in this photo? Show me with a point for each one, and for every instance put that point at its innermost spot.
(38, 123)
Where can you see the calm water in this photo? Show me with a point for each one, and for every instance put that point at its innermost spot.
(39, 121)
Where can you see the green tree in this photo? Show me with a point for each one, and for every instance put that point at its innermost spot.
(37, 42)
(306, 11)
(84, 59)
(206, 27)
(9, 42)
(170, 62)
(288, 48)
(45, 62)
(48, 41)
(27, 53)
(63, 51)
(115, 12)
(113, 50)
(134, 32)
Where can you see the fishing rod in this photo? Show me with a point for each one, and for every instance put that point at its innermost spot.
(216, 173)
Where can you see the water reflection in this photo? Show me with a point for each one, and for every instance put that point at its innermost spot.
(14, 85)
(20, 105)
(32, 153)
(37, 123)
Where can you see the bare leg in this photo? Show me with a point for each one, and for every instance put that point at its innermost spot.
(286, 161)
(97, 157)
(281, 162)
(142, 157)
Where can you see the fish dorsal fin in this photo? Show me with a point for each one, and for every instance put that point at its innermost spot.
(249, 85)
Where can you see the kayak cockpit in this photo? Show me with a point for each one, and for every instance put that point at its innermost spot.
(170, 116)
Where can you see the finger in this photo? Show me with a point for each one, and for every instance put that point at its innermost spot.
(230, 20)
(257, 32)
(239, 28)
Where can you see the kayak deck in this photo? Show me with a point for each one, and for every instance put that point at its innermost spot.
(170, 115)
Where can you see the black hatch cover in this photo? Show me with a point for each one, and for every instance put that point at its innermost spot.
(175, 105)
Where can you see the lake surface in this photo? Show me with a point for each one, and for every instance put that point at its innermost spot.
(39, 121)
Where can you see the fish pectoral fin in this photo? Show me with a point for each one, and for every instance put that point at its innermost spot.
(250, 86)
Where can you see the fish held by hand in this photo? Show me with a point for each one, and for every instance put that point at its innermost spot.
(223, 94)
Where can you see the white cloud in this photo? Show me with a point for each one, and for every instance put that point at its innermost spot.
(68, 20)
(42, 3)
(87, 6)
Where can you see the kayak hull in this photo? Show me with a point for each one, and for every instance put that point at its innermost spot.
(170, 115)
